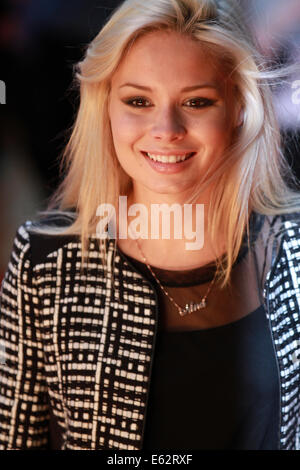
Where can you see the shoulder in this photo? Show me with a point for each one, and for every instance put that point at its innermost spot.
(292, 220)
(285, 237)
(42, 236)
(288, 225)
(284, 224)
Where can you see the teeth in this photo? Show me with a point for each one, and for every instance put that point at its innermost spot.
(168, 159)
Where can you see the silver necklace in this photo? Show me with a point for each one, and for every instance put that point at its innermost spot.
(189, 307)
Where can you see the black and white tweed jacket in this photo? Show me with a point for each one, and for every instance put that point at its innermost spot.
(74, 343)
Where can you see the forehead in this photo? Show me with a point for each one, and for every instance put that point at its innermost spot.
(161, 55)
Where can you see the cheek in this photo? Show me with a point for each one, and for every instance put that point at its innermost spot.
(125, 127)
(213, 131)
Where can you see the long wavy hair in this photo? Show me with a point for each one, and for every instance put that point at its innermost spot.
(254, 174)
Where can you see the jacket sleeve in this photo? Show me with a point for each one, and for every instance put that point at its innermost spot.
(24, 409)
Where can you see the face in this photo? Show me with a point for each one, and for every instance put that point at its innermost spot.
(171, 114)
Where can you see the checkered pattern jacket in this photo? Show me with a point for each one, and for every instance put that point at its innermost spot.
(74, 345)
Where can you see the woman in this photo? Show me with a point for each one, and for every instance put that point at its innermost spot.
(142, 342)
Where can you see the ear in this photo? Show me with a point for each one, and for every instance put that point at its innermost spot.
(239, 116)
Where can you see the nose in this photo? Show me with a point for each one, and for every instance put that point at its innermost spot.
(168, 125)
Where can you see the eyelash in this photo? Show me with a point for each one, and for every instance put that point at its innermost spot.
(207, 101)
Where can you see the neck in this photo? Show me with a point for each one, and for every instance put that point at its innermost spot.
(167, 216)
(170, 239)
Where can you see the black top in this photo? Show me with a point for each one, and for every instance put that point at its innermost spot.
(215, 389)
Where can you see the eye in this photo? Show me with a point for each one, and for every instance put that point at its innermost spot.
(138, 102)
(199, 103)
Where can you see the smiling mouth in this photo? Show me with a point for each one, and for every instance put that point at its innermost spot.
(169, 158)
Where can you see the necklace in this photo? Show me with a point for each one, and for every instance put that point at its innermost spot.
(189, 307)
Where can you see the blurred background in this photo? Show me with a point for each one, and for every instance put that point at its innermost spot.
(40, 41)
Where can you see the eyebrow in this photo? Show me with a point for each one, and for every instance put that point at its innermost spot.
(189, 88)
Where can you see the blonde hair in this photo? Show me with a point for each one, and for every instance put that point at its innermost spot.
(253, 176)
